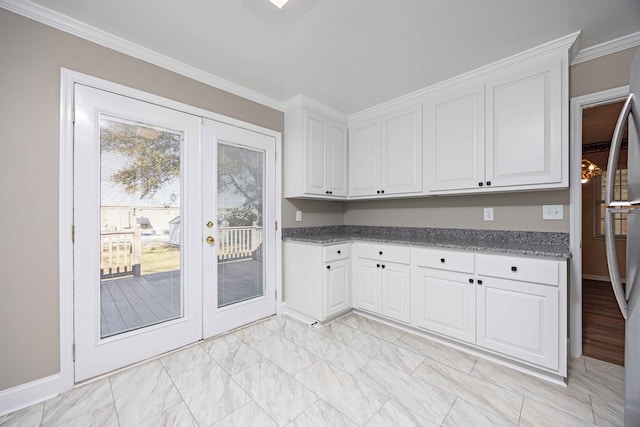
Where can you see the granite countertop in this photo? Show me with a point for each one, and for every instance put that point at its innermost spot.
(530, 243)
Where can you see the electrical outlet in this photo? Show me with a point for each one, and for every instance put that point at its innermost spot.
(488, 214)
(552, 212)
(298, 216)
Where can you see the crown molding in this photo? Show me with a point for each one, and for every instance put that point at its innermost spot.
(607, 48)
(561, 45)
(80, 29)
(303, 100)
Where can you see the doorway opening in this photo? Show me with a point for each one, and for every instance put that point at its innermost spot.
(602, 323)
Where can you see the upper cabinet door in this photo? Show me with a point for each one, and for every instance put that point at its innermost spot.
(364, 158)
(336, 155)
(454, 137)
(401, 150)
(524, 139)
(314, 154)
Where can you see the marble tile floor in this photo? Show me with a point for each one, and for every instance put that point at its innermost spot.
(352, 372)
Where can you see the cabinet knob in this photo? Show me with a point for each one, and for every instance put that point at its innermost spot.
(514, 268)
(480, 184)
(326, 192)
(479, 282)
(330, 192)
(380, 252)
(382, 265)
(470, 280)
(488, 183)
(382, 191)
(339, 252)
(378, 265)
(328, 267)
(378, 191)
(442, 260)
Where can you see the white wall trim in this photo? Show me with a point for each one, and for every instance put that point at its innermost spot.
(607, 48)
(575, 207)
(303, 100)
(23, 395)
(73, 26)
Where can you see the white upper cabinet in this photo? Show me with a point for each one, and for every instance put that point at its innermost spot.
(454, 137)
(315, 153)
(501, 130)
(524, 131)
(364, 158)
(385, 153)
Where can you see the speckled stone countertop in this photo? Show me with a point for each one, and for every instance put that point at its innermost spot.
(531, 243)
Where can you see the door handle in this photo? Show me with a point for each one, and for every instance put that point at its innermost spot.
(209, 224)
(210, 240)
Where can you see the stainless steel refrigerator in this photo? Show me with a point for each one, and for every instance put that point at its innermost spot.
(628, 298)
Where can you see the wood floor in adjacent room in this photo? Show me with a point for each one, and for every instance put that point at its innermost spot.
(602, 323)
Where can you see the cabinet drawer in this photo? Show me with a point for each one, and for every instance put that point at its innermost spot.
(443, 260)
(399, 254)
(516, 268)
(334, 252)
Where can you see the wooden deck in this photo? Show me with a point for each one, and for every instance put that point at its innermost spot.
(134, 302)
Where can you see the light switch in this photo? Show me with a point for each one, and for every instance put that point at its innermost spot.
(298, 216)
(488, 214)
(552, 212)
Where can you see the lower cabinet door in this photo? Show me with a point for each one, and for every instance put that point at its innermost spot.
(337, 295)
(519, 319)
(396, 289)
(444, 302)
(368, 291)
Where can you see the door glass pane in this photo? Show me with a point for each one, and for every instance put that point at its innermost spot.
(240, 210)
(139, 226)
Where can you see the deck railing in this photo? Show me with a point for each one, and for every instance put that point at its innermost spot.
(239, 243)
(121, 250)
(120, 253)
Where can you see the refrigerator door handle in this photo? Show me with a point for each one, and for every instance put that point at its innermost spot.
(612, 260)
(614, 152)
(612, 207)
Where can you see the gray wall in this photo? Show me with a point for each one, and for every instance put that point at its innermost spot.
(32, 55)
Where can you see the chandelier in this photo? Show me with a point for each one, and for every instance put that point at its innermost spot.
(589, 170)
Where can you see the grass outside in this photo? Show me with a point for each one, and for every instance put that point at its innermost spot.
(158, 258)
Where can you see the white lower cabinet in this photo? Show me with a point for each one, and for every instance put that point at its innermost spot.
(519, 319)
(512, 306)
(382, 277)
(444, 302)
(515, 306)
(317, 279)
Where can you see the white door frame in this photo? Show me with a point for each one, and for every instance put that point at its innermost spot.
(575, 205)
(65, 380)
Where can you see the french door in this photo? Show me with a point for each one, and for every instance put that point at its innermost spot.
(170, 238)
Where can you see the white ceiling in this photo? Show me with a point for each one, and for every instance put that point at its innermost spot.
(349, 54)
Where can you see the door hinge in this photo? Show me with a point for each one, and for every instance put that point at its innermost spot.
(276, 225)
(73, 114)
(73, 352)
(73, 233)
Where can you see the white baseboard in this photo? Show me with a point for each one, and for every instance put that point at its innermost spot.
(23, 395)
(600, 278)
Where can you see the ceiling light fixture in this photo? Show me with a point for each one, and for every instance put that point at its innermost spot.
(589, 170)
(279, 3)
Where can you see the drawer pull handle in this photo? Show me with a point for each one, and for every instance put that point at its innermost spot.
(514, 268)
(442, 260)
(470, 280)
(479, 282)
(380, 252)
